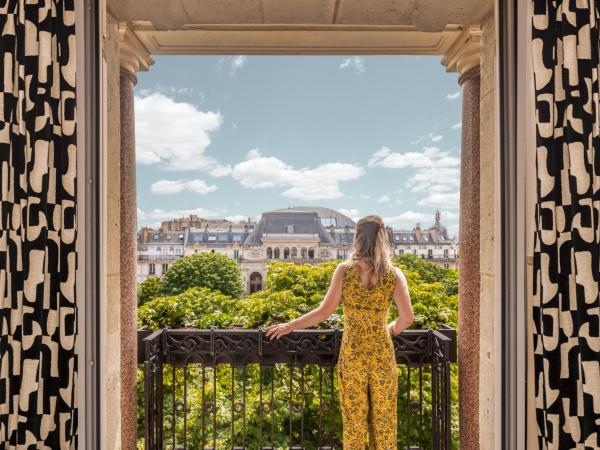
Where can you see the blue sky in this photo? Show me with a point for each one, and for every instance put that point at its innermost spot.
(234, 136)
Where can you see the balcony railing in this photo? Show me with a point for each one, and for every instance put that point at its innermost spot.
(236, 389)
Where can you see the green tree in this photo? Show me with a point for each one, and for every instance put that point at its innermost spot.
(196, 307)
(211, 270)
(149, 289)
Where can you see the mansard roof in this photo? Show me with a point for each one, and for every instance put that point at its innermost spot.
(328, 216)
(292, 222)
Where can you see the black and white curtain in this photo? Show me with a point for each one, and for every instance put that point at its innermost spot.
(565, 43)
(37, 225)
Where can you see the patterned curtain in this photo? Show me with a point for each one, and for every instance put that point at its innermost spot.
(567, 239)
(38, 316)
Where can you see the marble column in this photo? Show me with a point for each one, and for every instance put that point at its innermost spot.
(468, 264)
(128, 262)
(464, 57)
(133, 58)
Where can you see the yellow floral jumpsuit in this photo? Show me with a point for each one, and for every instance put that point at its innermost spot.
(367, 371)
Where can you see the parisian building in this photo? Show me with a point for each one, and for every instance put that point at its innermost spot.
(296, 234)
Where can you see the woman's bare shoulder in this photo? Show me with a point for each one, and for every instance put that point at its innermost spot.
(400, 278)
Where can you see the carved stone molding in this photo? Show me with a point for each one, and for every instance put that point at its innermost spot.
(134, 56)
(465, 52)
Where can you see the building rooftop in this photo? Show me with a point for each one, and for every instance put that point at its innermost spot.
(292, 222)
(328, 216)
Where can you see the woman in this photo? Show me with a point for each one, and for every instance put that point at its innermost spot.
(367, 372)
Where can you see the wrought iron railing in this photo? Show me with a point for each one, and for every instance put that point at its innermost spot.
(236, 389)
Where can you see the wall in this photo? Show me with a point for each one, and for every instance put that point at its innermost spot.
(110, 347)
(489, 379)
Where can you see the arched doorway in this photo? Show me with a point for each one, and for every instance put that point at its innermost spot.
(269, 253)
(286, 253)
(276, 253)
(255, 283)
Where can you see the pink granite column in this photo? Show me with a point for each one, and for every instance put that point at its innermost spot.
(128, 265)
(468, 309)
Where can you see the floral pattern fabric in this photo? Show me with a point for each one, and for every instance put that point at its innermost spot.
(367, 371)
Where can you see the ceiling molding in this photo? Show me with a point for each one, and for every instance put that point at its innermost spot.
(237, 39)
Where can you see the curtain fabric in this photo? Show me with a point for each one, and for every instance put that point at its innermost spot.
(567, 239)
(38, 314)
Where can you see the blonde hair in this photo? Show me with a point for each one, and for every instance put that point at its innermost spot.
(371, 244)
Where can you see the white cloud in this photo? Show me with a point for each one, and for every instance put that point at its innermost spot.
(231, 64)
(355, 63)
(236, 64)
(409, 218)
(365, 196)
(237, 218)
(429, 138)
(174, 135)
(457, 126)
(352, 213)
(445, 200)
(383, 199)
(449, 215)
(453, 96)
(176, 186)
(170, 90)
(319, 183)
(429, 157)
(154, 217)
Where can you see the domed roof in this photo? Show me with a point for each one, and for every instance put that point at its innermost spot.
(328, 216)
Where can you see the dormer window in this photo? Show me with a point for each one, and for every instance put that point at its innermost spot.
(290, 229)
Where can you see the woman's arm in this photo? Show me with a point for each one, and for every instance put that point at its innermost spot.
(402, 299)
(317, 315)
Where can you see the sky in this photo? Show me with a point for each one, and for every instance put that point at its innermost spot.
(233, 136)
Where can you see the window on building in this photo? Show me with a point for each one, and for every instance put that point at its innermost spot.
(269, 253)
(223, 237)
(446, 266)
(158, 249)
(414, 251)
(236, 254)
(165, 267)
(294, 252)
(401, 251)
(276, 253)
(237, 238)
(286, 253)
(255, 282)
(311, 253)
(290, 229)
(151, 269)
(303, 253)
(212, 237)
(430, 253)
(445, 253)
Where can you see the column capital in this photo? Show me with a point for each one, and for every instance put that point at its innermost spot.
(133, 54)
(464, 54)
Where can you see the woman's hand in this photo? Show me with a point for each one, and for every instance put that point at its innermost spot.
(391, 329)
(277, 330)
